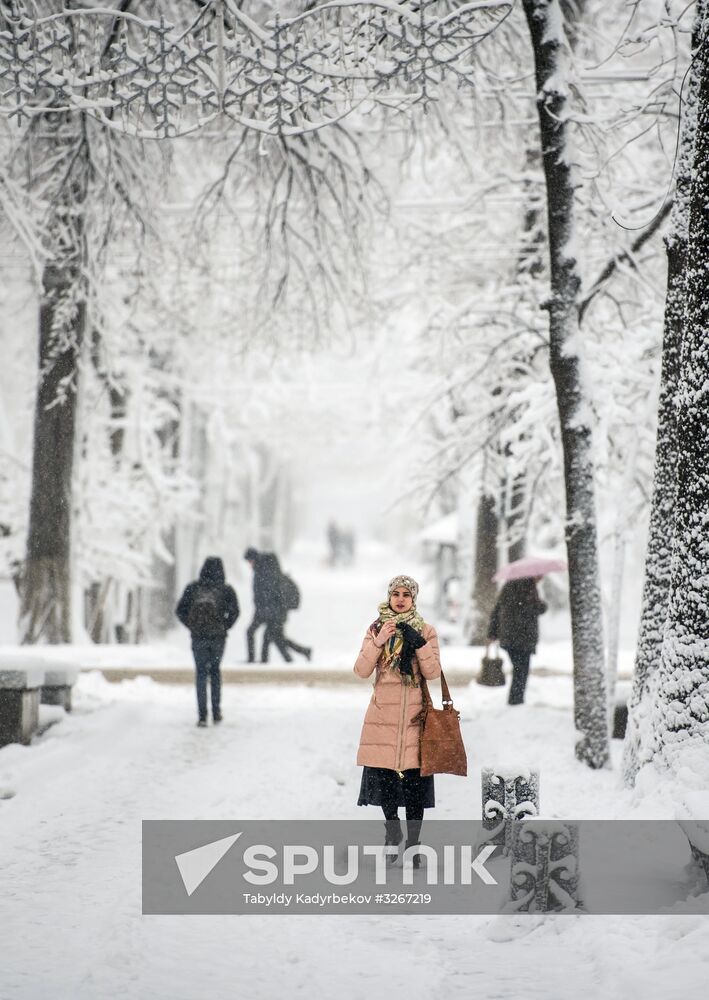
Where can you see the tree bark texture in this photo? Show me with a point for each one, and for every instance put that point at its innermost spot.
(680, 710)
(656, 588)
(46, 586)
(544, 19)
(45, 604)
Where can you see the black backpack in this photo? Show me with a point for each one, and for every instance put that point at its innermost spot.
(289, 593)
(206, 614)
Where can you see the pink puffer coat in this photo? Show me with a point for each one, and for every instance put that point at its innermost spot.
(389, 736)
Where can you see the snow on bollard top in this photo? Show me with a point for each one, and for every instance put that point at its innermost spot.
(508, 772)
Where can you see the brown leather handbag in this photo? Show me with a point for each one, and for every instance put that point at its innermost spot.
(491, 672)
(441, 743)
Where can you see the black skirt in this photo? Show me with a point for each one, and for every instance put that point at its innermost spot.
(381, 786)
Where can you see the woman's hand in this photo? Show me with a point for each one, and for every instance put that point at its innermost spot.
(385, 633)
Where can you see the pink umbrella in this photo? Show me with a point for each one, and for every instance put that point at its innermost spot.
(529, 566)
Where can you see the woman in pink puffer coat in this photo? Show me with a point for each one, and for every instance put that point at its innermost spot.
(398, 649)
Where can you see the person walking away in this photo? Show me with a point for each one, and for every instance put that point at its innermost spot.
(270, 608)
(334, 542)
(267, 598)
(399, 648)
(291, 602)
(208, 607)
(515, 624)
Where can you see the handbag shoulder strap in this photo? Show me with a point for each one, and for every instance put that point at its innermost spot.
(445, 692)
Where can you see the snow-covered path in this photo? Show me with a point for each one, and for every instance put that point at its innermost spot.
(70, 839)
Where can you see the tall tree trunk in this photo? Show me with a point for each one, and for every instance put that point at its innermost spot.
(656, 589)
(680, 706)
(639, 742)
(544, 19)
(45, 607)
(46, 586)
(484, 589)
(657, 560)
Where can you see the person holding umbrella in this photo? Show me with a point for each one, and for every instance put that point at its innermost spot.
(514, 622)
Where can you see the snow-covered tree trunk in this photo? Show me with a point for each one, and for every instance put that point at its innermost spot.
(680, 707)
(638, 740)
(545, 21)
(46, 592)
(45, 606)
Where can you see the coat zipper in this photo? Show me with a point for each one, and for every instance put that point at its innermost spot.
(402, 742)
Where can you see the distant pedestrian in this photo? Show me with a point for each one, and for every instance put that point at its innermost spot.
(208, 607)
(515, 624)
(399, 648)
(274, 595)
(334, 541)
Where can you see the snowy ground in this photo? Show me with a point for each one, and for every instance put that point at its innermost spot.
(71, 807)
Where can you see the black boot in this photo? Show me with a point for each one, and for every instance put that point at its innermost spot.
(415, 856)
(413, 834)
(393, 837)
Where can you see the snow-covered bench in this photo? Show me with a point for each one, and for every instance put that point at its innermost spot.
(20, 690)
(58, 682)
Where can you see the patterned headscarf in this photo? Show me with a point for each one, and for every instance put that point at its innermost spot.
(391, 652)
(404, 581)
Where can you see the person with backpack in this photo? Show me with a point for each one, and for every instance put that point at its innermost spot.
(275, 594)
(208, 607)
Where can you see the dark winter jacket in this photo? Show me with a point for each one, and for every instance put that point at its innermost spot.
(268, 595)
(208, 606)
(514, 621)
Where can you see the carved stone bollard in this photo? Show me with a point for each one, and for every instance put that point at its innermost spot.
(697, 833)
(508, 794)
(544, 871)
(701, 859)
